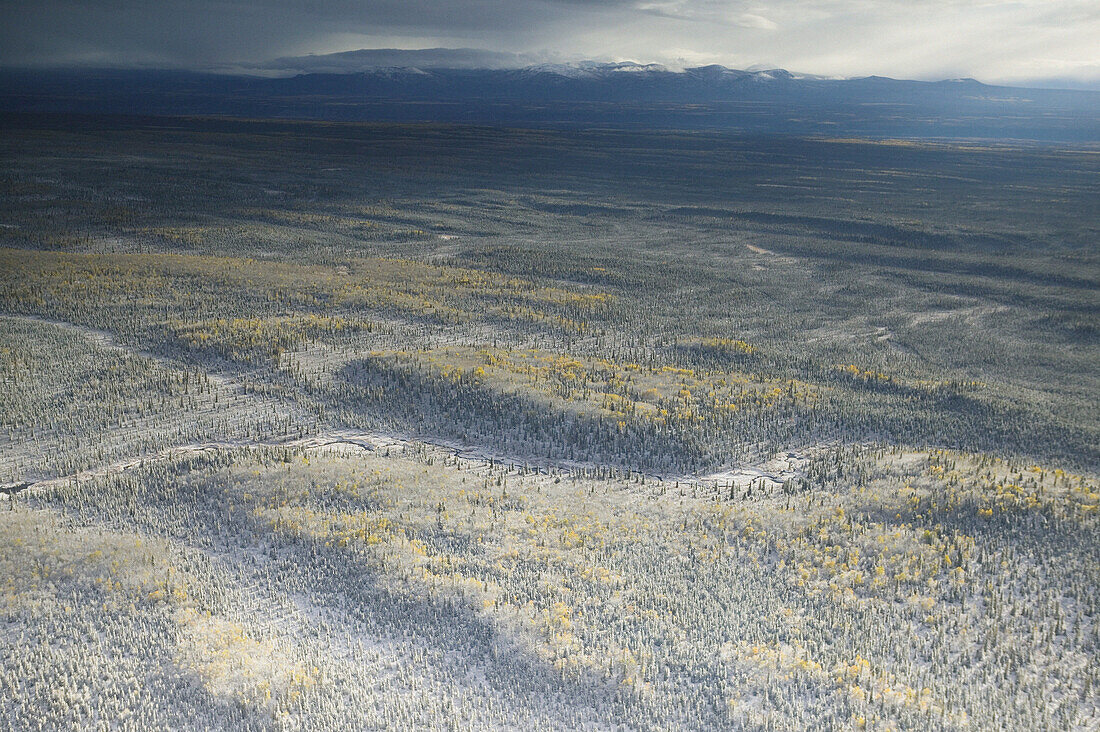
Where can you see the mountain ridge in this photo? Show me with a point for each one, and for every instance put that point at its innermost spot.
(589, 94)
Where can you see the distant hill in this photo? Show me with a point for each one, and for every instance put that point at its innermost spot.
(589, 94)
(369, 59)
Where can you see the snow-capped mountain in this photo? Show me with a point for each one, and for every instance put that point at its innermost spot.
(462, 85)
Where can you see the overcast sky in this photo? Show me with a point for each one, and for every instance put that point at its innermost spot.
(991, 40)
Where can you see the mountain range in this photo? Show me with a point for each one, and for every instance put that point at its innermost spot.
(461, 85)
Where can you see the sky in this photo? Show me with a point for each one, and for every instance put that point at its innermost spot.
(1053, 41)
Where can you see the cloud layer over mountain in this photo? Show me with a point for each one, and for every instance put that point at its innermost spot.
(993, 40)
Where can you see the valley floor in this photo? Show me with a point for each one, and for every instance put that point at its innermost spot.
(327, 427)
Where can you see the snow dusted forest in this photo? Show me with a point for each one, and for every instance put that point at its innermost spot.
(315, 426)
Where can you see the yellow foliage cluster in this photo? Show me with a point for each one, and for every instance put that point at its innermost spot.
(251, 338)
(862, 374)
(997, 488)
(69, 283)
(729, 345)
(629, 393)
(233, 664)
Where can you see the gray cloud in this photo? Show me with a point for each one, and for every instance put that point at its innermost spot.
(992, 40)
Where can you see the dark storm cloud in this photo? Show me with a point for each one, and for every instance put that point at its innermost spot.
(991, 39)
(190, 31)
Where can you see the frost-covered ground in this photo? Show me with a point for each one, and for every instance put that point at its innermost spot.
(73, 400)
(472, 429)
(296, 588)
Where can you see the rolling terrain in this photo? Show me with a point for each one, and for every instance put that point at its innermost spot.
(328, 425)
